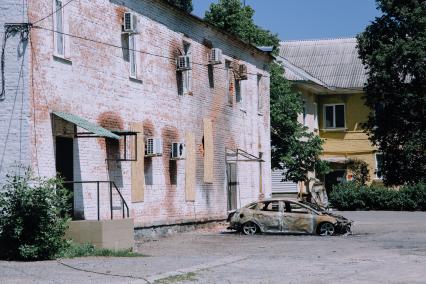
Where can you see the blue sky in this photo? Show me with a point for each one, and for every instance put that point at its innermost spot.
(308, 19)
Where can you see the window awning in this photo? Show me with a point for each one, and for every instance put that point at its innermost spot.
(91, 127)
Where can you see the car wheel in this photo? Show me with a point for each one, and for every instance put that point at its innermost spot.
(326, 229)
(250, 228)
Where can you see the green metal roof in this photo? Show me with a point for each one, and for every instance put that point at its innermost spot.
(91, 127)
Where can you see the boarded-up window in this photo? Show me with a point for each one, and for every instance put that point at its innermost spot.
(138, 175)
(190, 167)
(208, 150)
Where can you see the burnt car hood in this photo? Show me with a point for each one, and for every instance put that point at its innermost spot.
(338, 217)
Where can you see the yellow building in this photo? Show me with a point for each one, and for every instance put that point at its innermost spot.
(330, 77)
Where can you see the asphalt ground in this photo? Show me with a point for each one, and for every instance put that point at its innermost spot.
(386, 247)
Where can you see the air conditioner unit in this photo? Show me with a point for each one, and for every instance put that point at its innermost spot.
(178, 151)
(183, 63)
(130, 21)
(153, 147)
(215, 56)
(243, 72)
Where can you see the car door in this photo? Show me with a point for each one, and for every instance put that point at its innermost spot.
(298, 218)
(269, 216)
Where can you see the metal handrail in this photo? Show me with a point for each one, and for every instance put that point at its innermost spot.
(111, 185)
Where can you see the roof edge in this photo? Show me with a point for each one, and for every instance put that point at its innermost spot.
(302, 73)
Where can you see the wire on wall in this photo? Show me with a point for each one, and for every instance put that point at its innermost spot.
(129, 49)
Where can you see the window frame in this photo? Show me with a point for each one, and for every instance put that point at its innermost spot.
(187, 74)
(238, 91)
(334, 116)
(259, 93)
(316, 124)
(304, 112)
(229, 95)
(376, 169)
(59, 33)
(133, 56)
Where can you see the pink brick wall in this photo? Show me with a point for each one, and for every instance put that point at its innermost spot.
(95, 84)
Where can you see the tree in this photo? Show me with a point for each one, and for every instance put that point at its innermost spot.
(185, 5)
(293, 148)
(393, 49)
(233, 17)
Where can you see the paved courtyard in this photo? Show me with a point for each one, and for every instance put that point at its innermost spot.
(386, 247)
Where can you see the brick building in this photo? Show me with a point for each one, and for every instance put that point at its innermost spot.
(95, 101)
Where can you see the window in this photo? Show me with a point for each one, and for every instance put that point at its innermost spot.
(229, 82)
(132, 56)
(259, 93)
(238, 97)
(187, 74)
(59, 28)
(379, 164)
(334, 116)
(315, 116)
(269, 206)
(296, 208)
(304, 113)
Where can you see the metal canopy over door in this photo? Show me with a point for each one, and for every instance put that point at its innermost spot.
(232, 159)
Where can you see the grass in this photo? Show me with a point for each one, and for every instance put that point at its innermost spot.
(190, 276)
(82, 250)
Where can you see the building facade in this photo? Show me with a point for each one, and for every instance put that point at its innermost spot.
(331, 77)
(145, 106)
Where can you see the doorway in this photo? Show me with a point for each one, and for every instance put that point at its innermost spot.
(231, 173)
(333, 178)
(65, 165)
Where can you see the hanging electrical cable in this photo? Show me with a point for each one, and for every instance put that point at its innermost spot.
(129, 49)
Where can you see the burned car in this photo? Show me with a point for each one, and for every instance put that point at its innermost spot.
(287, 216)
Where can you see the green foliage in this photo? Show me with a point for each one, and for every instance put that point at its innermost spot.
(233, 17)
(359, 169)
(293, 148)
(185, 5)
(33, 217)
(82, 250)
(393, 48)
(352, 196)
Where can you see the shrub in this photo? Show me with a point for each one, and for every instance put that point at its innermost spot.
(83, 250)
(33, 217)
(359, 169)
(352, 196)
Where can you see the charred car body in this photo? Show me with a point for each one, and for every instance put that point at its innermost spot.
(287, 216)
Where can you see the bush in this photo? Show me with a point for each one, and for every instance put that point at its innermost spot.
(33, 217)
(352, 196)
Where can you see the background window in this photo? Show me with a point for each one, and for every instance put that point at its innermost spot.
(315, 116)
(132, 56)
(259, 93)
(379, 163)
(334, 116)
(238, 97)
(304, 113)
(229, 82)
(59, 28)
(187, 74)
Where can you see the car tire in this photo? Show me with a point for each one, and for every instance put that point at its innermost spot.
(250, 229)
(326, 229)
